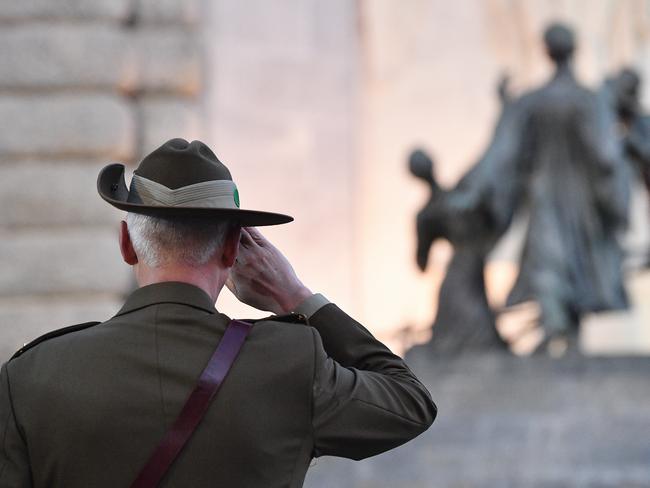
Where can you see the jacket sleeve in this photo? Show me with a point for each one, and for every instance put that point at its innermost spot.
(14, 462)
(365, 399)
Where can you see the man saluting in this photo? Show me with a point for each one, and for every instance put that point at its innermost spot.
(120, 403)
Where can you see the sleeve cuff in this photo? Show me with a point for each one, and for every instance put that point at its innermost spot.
(311, 305)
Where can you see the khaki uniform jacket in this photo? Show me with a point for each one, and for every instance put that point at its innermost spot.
(86, 409)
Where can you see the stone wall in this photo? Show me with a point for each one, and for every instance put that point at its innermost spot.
(504, 422)
(82, 84)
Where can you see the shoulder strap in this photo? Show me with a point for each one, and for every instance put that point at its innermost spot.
(195, 406)
(52, 334)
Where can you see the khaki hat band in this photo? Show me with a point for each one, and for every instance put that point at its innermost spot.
(206, 194)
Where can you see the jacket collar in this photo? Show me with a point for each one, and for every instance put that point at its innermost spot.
(168, 292)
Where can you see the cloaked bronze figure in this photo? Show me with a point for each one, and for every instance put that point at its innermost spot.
(576, 189)
(554, 156)
(623, 90)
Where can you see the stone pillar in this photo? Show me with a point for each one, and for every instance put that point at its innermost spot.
(283, 95)
(82, 84)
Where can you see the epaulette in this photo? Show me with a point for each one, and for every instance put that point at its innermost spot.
(51, 335)
(290, 318)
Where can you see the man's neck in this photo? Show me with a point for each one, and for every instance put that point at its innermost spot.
(205, 277)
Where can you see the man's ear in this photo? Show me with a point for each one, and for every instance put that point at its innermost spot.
(126, 246)
(231, 246)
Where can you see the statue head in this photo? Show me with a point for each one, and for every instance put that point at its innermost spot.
(430, 220)
(560, 42)
(421, 166)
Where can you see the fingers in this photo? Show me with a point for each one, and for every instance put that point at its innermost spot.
(246, 240)
(251, 237)
(256, 235)
(248, 248)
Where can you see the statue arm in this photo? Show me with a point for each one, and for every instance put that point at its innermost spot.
(492, 187)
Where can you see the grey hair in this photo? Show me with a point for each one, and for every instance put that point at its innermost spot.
(159, 241)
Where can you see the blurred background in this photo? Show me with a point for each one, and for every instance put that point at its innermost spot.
(315, 107)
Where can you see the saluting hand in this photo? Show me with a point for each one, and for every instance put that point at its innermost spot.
(262, 277)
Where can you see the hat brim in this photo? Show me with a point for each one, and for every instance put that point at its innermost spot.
(111, 186)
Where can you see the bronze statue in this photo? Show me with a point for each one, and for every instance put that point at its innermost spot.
(554, 155)
(472, 216)
(464, 319)
(623, 90)
(576, 190)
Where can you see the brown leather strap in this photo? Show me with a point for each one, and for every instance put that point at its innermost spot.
(195, 406)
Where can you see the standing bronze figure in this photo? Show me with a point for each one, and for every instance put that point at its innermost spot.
(576, 190)
(556, 157)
